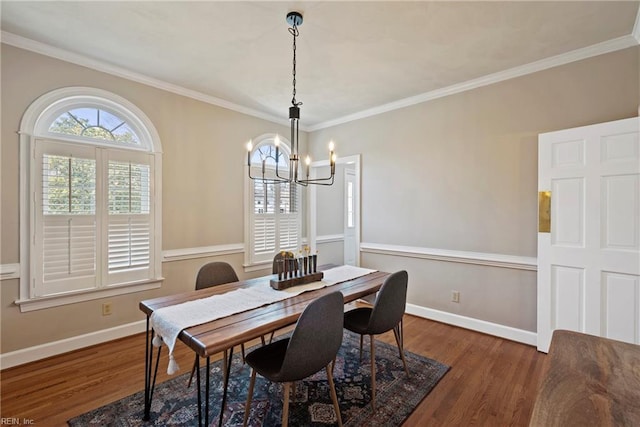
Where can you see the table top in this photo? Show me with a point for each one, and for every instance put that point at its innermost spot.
(590, 381)
(221, 334)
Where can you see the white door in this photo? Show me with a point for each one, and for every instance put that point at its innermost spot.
(350, 243)
(589, 262)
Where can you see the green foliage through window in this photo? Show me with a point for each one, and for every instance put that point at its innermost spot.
(96, 124)
(69, 185)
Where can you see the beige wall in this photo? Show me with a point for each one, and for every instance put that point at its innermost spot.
(204, 154)
(460, 173)
(455, 173)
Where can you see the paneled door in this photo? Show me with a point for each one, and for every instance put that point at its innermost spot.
(589, 259)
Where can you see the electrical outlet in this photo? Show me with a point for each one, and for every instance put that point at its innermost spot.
(106, 309)
(455, 296)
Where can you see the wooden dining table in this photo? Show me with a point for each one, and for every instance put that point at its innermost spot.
(224, 333)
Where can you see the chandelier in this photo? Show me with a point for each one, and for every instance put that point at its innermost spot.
(295, 175)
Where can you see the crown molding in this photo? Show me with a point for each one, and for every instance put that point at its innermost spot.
(74, 58)
(533, 67)
(576, 55)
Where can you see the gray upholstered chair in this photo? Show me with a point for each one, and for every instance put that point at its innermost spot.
(385, 315)
(313, 345)
(209, 275)
(215, 273)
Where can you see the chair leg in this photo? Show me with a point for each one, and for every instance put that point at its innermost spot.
(242, 350)
(193, 371)
(398, 334)
(373, 373)
(285, 405)
(224, 364)
(271, 337)
(247, 408)
(334, 396)
(361, 347)
(262, 339)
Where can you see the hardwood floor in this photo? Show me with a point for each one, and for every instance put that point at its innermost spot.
(492, 382)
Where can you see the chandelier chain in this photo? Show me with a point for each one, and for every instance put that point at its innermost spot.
(294, 32)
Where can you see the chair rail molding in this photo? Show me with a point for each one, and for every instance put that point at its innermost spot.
(9, 271)
(464, 257)
(329, 238)
(201, 252)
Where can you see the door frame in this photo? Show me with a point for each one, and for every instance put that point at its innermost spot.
(313, 206)
(349, 172)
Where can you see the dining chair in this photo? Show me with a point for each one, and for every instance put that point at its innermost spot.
(314, 344)
(209, 275)
(385, 315)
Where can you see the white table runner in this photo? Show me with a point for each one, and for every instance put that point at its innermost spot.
(168, 322)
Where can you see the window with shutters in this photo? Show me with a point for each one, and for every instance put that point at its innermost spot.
(274, 208)
(95, 212)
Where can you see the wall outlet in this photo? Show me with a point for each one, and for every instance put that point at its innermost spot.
(455, 296)
(106, 309)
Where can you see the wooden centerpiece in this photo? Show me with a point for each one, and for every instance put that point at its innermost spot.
(295, 271)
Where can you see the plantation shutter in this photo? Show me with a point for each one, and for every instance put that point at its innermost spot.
(275, 219)
(66, 243)
(288, 218)
(264, 220)
(129, 238)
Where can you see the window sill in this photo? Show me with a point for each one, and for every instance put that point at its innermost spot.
(87, 295)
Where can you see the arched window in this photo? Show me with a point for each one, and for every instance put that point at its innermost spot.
(95, 123)
(273, 218)
(93, 203)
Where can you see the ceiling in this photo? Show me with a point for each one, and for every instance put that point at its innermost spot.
(352, 57)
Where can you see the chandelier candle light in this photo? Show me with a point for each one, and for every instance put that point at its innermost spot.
(294, 19)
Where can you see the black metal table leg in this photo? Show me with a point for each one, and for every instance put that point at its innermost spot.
(149, 383)
(206, 387)
(198, 388)
(226, 384)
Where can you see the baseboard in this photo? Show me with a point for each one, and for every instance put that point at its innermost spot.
(495, 329)
(42, 351)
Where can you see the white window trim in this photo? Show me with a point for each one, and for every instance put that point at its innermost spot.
(249, 264)
(31, 128)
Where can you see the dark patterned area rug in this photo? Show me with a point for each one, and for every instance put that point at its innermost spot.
(397, 396)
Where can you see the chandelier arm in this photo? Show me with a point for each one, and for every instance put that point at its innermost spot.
(317, 181)
(267, 180)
